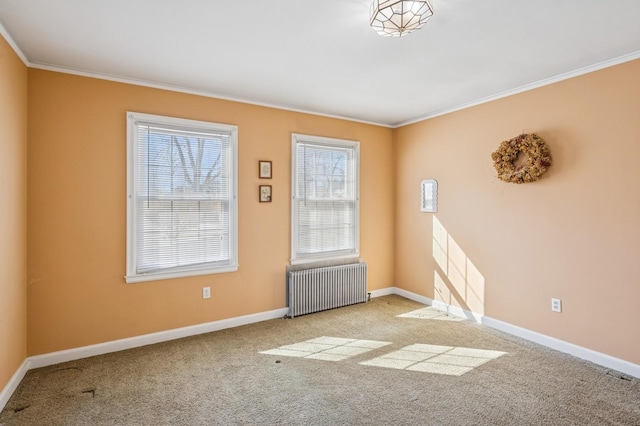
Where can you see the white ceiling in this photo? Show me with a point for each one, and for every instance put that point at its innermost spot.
(321, 56)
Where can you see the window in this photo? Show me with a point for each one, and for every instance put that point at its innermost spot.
(181, 197)
(325, 207)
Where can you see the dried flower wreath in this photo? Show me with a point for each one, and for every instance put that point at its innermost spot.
(530, 169)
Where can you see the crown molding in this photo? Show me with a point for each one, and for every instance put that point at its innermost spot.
(540, 83)
(14, 46)
(180, 89)
(190, 91)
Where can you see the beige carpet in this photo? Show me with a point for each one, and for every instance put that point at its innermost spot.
(359, 365)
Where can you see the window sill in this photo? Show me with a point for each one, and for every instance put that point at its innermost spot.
(138, 278)
(326, 260)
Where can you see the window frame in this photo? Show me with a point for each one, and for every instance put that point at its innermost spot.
(132, 276)
(297, 258)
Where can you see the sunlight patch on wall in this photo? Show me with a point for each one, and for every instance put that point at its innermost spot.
(465, 285)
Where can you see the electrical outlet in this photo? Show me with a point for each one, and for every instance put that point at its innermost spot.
(206, 292)
(556, 305)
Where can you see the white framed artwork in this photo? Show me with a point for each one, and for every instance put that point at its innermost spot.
(429, 196)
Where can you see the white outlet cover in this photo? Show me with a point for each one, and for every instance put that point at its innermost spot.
(556, 305)
(206, 292)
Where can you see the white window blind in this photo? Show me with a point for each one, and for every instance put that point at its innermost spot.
(182, 203)
(325, 205)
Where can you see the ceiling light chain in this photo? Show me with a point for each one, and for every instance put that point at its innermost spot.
(395, 18)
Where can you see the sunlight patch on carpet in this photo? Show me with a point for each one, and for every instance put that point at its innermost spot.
(447, 360)
(430, 313)
(327, 348)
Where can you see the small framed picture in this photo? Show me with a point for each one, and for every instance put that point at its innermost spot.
(265, 193)
(429, 196)
(264, 169)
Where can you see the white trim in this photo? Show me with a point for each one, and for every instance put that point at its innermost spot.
(540, 83)
(536, 84)
(566, 347)
(150, 339)
(383, 292)
(141, 278)
(413, 296)
(599, 358)
(13, 383)
(324, 259)
(204, 93)
(330, 143)
(458, 311)
(231, 265)
(180, 89)
(14, 46)
(44, 360)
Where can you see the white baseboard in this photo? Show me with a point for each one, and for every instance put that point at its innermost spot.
(599, 358)
(44, 360)
(149, 339)
(413, 296)
(458, 311)
(52, 358)
(13, 383)
(383, 292)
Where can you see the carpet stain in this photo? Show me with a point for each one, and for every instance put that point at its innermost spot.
(619, 375)
(221, 379)
(91, 391)
(72, 369)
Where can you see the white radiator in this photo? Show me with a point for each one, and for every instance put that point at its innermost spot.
(319, 289)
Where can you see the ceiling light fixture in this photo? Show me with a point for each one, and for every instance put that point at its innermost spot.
(395, 18)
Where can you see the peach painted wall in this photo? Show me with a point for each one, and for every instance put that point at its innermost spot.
(13, 210)
(77, 212)
(505, 250)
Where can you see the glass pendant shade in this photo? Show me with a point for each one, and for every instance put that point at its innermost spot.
(395, 18)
